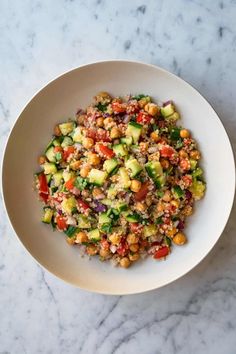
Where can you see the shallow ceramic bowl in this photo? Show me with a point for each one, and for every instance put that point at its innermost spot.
(60, 100)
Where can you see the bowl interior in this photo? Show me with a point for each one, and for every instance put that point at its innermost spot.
(60, 100)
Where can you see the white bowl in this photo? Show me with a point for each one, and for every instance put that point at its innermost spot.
(60, 100)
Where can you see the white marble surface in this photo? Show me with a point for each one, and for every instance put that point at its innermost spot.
(39, 40)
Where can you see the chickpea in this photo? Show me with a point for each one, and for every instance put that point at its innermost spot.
(57, 130)
(108, 122)
(132, 238)
(143, 101)
(143, 146)
(135, 185)
(115, 238)
(75, 165)
(115, 133)
(103, 97)
(94, 159)
(81, 118)
(160, 207)
(175, 203)
(152, 109)
(183, 154)
(100, 121)
(180, 239)
(91, 250)
(187, 210)
(125, 262)
(88, 143)
(141, 206)
(134, 257)
(70, 240)
(171, 232)
(167, 196)
(148, 201)
(42, 160)
(184, 133)
(134, 247)
(84, 171)
(195, 154)
(154, 136)
(104, 253)
(97, 193)
(154, 157)
(81, 237)
(165, 164)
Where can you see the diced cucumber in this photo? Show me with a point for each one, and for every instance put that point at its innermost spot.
(66, 128)
(132, 218)
(68, 205)
(50, 154)
(57, 178)
(47, 217)
(154, 170)
(48, 178)
(106, 201)
(120, 150)
(193, 164)
(110, 165)
(134, 130)
(83, 222)
(160, 181)
(49, 168)
(103, 218)
(134, 166)
(67, 141)
(149, 230)
(197, 173)
(94, 235)
(167, 110)
(77, 135)
(70, 232)
(122, 207)
(53, 142)
(174, 117)
(67, 175)
(97, 177)
(124, 178)
(111, 193)
(177, 192)
(197, 189)
(127, 141)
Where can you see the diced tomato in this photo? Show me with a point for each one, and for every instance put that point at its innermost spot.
(70, 184)
(187, 180)
(185, 164)
(167, 151)
(44, 197)
(162, 252)
(58, 149)
(83, 205)
(118, 107)
(98, 135)
(123, 247)
(67, 151)
(43, 187)
(141, 194)
(61, 223)
(143, 118)
(132, 107)
(106, 151)
(144, 243)
(105, 244)
(136, 228)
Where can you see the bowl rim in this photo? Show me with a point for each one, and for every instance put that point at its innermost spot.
(20, 115)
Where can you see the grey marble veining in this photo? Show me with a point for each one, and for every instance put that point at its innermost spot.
(39, 40)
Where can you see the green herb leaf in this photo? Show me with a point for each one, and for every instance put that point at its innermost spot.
(139, 97)
(159, 220)
(168, 241)
(107, 228)
(81, 183)
(175, 133)
(102, 107)
(70, 231)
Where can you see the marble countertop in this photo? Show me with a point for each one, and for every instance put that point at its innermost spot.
(41, 39)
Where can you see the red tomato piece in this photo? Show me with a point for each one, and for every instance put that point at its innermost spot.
(105, 244)
(98, 135)
(118, 107)
(162, 252)
(70, 184)
(83, 205)
(143, 118)
(67, 151)
(141, 194)
(136, 228)
(44, 197)
(106, 151)
(58, 149)
(167, 151)
(43, 186)
(61, 223)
